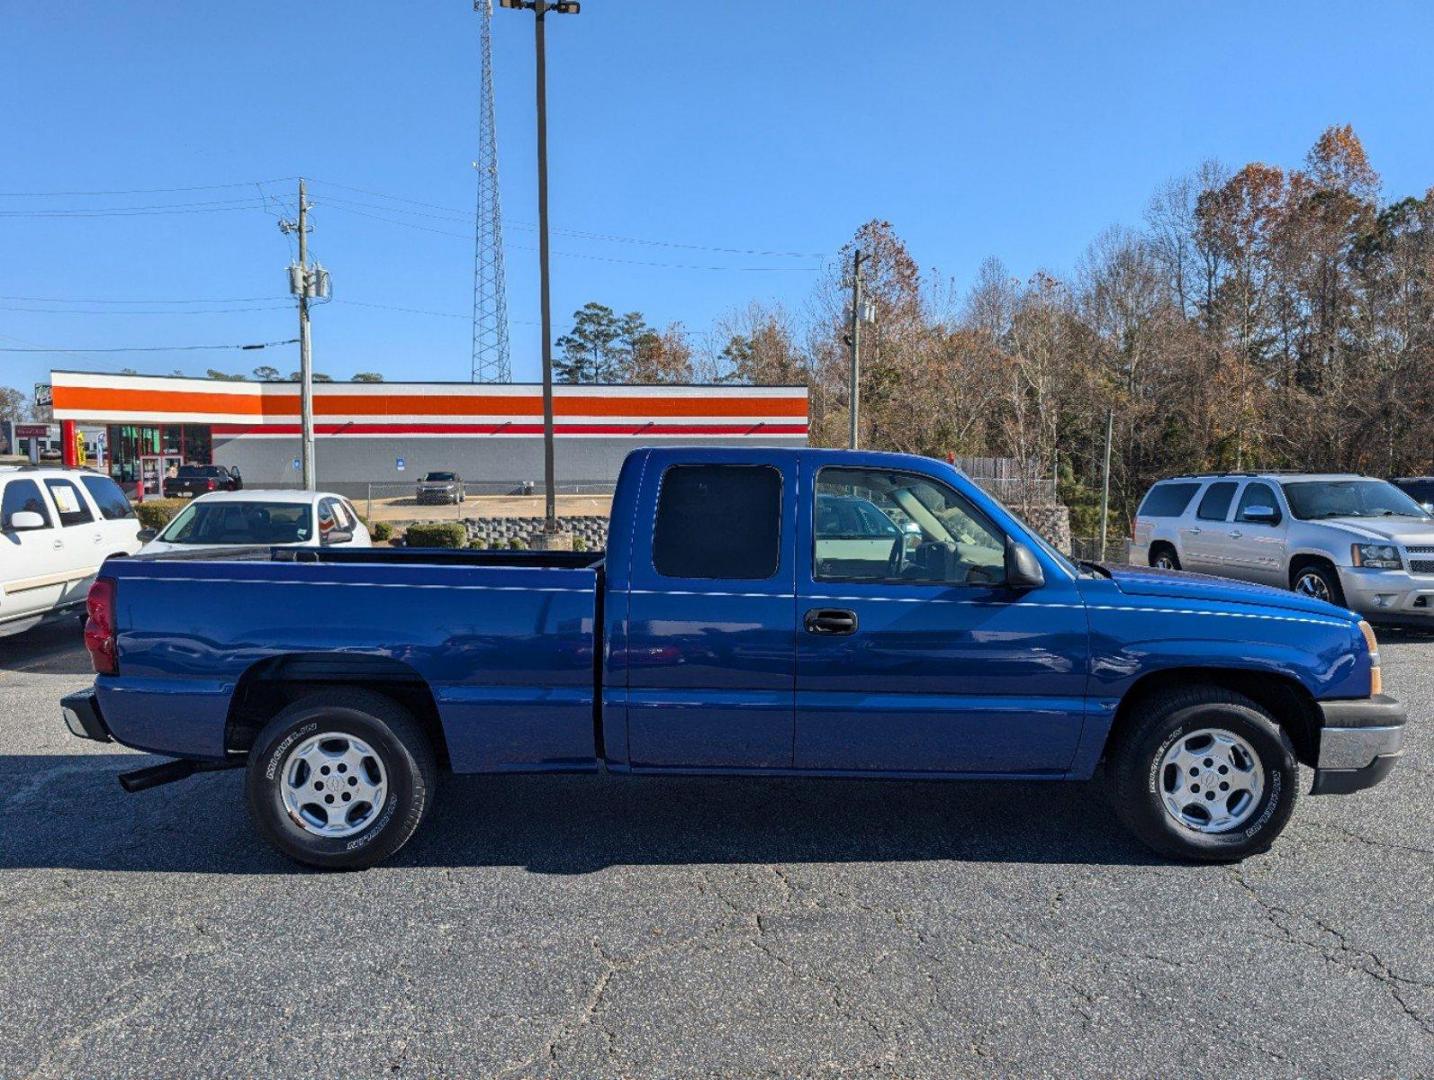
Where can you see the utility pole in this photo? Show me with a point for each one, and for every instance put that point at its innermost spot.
(855, 339)
(540, 8)
(306, 367)
(1105, 482)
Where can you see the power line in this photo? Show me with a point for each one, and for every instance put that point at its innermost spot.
(454, 214)
(154, 300)
(138, 191)
(217, 206)
(584, 255)
(145, 348)
(132, 311)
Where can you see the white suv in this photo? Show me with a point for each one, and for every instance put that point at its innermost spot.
(1352, 540)
(56, 527)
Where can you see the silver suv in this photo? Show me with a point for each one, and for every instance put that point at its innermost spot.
(1352, 540)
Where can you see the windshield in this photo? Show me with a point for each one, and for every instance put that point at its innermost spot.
(1314, 499)
(240, 523)
(439, 476)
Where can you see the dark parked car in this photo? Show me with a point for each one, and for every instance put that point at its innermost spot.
(1418, 488)
(192, 480)
(441, 487)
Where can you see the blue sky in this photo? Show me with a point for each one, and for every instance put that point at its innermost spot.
(1019, 130)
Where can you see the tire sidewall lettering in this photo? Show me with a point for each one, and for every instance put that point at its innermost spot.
(279, 751)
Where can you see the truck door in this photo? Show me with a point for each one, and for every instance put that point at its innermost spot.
(922, 660)
(711, 635)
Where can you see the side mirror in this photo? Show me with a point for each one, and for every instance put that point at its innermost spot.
(1428, 508)
(1023, 569)
(22, 520)
(146, 535)
(1261, 515)
(337, 536)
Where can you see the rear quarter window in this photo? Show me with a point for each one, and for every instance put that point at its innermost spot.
(108, 497)
(1167, 500)
(718, 521)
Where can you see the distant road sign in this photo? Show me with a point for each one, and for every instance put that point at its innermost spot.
(43, 396)
(398, 464)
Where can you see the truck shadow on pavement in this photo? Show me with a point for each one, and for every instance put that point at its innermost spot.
(67, 811)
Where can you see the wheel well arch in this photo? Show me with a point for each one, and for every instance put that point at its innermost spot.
(1282, 696)
(1162, 545)
(269, 685)
(1303, 559)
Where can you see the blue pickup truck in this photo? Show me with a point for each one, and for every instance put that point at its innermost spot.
(773, 612)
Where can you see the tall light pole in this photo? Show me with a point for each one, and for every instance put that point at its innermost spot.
(540, 8)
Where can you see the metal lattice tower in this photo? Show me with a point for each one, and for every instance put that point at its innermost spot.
(490, 296)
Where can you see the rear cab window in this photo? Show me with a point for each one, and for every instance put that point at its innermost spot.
(1168, 500)
(1215, 506)
(718, 522)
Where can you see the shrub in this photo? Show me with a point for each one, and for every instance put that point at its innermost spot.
(381, 530)
(517, 543)
(579, 544)
(157, 513)
(436, 534)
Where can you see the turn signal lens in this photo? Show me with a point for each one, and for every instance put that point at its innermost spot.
(1376, 678)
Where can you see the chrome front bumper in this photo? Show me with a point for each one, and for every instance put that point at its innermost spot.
(1360, 742)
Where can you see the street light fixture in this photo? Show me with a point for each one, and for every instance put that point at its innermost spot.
(540, 8)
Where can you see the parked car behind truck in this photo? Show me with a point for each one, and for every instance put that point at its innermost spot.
(732, 627)
(1354, 541)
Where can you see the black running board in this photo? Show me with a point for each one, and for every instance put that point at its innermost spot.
(167, 772)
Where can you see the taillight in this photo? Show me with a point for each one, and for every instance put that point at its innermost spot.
(210, 485)
(100, 627)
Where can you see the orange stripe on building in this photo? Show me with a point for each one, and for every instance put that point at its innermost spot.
(159, 402)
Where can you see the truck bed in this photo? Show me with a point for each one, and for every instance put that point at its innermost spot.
(505, 641)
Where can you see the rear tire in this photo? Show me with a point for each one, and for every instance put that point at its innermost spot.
(377, 751)
(1190, 745)
(1163, 557)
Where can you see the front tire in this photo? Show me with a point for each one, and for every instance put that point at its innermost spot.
(1319, 582)
(340, 779)
(1205, 774)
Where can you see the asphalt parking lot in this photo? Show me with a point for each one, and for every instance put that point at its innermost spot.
(716, 928)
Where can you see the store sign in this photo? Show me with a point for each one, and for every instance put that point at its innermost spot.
(32, 431)
(398, 464)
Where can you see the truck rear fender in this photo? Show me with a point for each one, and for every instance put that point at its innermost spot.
(274, 682)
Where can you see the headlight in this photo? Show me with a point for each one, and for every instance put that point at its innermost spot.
(1377, 556)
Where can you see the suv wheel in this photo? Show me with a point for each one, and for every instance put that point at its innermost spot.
(340, 779)
(1205, 774)
(1164, 558)
(1319, 582)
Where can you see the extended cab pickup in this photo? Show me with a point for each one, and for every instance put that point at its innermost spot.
(753, 614)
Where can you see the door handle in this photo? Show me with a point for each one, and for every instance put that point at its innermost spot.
(1235, 534)
(830, 621)
(1194, 530)
(57, 544)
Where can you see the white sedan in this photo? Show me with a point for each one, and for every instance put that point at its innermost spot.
(261, 518)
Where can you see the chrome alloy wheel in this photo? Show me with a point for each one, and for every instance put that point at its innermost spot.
(333, 785)
(1211, 781)
(1311, 584)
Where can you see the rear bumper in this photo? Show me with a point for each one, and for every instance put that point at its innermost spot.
(1360, 743)
(81, 713)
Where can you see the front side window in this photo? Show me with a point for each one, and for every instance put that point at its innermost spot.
(881, 525)
(69, 503)
(108, 497)
(718, 521)
(1216, 503)
(1261, 497)
(22, 495)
